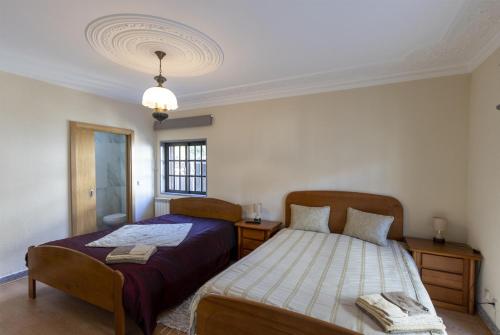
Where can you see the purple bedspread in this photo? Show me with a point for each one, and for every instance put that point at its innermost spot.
(171, 274)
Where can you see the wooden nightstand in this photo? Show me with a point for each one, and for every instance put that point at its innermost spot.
(250, 235)
(448, 272)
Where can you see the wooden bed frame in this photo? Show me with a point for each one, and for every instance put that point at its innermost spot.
(217, 315)
(86, 278)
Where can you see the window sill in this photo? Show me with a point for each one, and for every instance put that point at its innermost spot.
(168, 196)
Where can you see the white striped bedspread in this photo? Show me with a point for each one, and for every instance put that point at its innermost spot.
(319, 275)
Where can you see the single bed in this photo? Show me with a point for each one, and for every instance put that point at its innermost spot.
(303, 282)
(142, 291)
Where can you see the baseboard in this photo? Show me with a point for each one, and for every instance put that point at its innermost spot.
(13, 276)
(487, 320)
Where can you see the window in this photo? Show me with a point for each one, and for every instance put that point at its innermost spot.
(184, 167)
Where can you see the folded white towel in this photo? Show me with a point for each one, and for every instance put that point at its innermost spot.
(382, 305)
(394, 320)
(141, 249)
(131, 254)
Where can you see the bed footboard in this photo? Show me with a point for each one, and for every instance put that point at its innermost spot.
(218, 315)
(79, 275)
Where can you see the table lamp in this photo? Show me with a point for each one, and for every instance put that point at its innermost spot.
(254, 213)
(439, 225)
(257, 211)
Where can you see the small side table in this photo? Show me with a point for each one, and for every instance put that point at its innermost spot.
(251, 235)
(448, 272)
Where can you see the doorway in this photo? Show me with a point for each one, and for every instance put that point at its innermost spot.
(101, 177)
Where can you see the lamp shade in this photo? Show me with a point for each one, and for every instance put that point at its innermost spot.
(257, 210)
(439, 224)
(159, 98)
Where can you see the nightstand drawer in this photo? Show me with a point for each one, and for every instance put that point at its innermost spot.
(250, 244)
(443, 263)
(444, 279)
(254, 234)
(445, 294)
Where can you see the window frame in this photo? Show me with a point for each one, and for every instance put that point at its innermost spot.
(187, 143)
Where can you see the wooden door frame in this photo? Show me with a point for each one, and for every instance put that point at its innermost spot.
(129, 133)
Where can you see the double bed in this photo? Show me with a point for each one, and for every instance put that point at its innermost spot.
(141, 290)
(303, 282)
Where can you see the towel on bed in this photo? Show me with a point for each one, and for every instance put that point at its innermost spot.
(394, 320)
(409, 305)
(132, 254)
(160, 235)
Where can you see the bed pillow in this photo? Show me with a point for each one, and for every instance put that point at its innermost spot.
(368, 227)
(310, 218)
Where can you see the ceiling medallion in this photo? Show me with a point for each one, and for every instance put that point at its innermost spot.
(130, 40)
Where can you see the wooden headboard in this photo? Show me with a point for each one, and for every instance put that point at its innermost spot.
(206, 208)
(340, 201)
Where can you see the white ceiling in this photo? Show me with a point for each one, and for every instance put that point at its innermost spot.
(271, 48)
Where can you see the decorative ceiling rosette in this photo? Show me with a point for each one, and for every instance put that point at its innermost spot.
(131, 40)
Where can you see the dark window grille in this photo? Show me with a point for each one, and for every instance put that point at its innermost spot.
(184, 167)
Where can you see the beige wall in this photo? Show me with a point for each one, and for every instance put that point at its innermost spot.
(407, 140)
(34, 151)
(484, 173)
(423, 142)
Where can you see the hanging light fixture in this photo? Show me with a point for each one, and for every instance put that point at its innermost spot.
(159, 98)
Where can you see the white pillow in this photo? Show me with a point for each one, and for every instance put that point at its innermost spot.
(369, 227)
(310, 218)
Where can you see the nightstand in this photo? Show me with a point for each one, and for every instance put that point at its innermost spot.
(251, 235)
(448, 272)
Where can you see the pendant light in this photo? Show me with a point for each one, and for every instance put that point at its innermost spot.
(159, 98)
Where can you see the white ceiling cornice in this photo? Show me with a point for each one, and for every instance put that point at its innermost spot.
(474, 28)
(338, 45)
(484, 53)
(310, 84)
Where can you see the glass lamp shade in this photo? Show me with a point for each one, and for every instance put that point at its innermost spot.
(439, 225)
(257, 210)
(159, 98)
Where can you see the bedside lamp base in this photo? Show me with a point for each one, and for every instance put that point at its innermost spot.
(254, 221)
(439, 240)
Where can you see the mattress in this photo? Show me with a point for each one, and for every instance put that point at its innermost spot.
(319, 275)
(171, 274)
